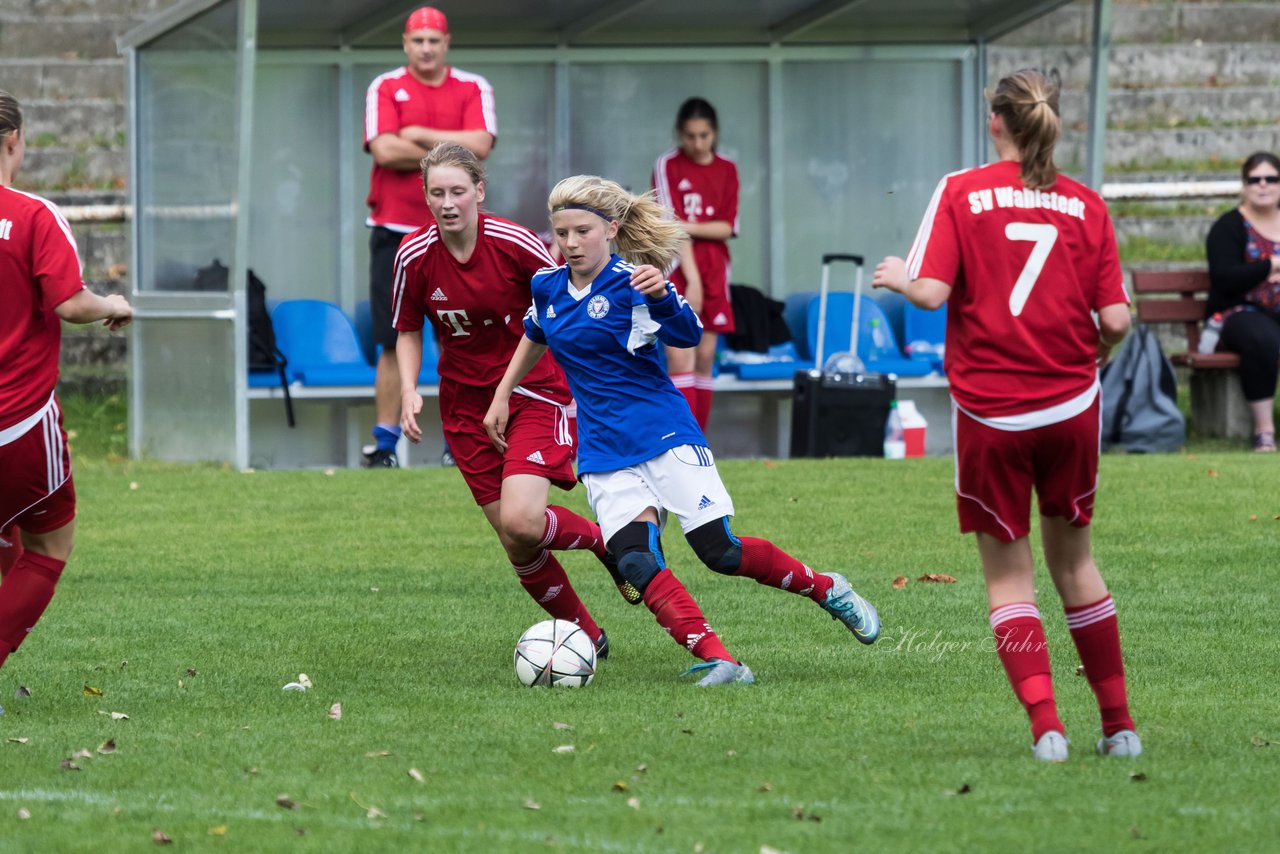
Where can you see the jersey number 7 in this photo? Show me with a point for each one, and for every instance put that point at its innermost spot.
(1043, 236)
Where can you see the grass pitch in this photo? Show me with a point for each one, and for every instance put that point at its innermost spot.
(196, 593)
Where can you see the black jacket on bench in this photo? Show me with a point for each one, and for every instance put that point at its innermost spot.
(1231, 275)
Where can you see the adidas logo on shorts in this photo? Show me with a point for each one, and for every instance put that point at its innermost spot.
(720, 318)
(536, 457)
(705, 503)
(439, 295)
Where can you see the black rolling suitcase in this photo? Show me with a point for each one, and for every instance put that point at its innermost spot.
(839, 413)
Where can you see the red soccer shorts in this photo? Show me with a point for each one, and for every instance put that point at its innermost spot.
(541, 440)
(717, 311)
(997, 469)
(36, 490)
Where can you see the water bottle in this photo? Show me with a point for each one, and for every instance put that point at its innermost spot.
(879, 344)
(1212, 331)
(895, 445)
(843, 362)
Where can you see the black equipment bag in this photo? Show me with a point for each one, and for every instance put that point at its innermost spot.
(1140, 398)
(263, 353)
(839, 414)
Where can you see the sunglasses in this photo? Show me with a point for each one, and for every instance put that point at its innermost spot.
(1262, 179)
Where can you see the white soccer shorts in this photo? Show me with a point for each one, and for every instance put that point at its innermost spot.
(682, 481)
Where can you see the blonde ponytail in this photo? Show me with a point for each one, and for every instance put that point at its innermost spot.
(1027, 101)
(646, 235)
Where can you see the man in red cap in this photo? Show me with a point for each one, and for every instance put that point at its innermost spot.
(408, 111)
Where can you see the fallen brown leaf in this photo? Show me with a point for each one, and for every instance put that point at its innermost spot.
(159, 837)
(764, 787)
(1256, 741)
(564, 748)
(68, 765)
(218, 830)
(633, 802)
(621, 786)
(377, 754)
(1212, 472)
(192, 672)
(769, 464)
(1253, 518)
(937, 577)
(21, 740)
(374, 812)
(417, 775)
(335, 712)
(963, 790)
(560, 726)
(285, 802)
(641, 768)
(82, 753)
(23, 691)
(532, 805)
(731, 753)
(900, 582)
(23, 813)
(107, 747)
(90, 691)
(799, 814)
(1137, 777)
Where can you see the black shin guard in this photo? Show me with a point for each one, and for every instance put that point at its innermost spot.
(716, 546)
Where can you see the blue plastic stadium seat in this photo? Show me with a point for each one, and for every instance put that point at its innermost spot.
(427, 374)
(839, 321)
(925, 334)
(321, 344)
(781, 362)
(364, 330)
(795, 312)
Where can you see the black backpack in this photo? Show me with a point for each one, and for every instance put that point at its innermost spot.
(264, 355)
(1140, 398)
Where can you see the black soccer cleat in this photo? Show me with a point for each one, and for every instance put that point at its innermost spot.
(602, 645)
(376, 459)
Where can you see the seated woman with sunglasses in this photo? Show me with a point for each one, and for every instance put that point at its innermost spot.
(1243, 248)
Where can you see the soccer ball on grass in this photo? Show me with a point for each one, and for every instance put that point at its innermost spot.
(555, 653)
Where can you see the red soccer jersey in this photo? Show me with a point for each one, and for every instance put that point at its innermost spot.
(477, 308)
(697, 193)
(39, 270)
(462, 101)
(1027, 268)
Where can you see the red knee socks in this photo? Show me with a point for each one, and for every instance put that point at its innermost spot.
(1097, 636)
(545, 581)
(676, 612)
(1021, 645)
(567, 530)
(24, 595)
(770, 565)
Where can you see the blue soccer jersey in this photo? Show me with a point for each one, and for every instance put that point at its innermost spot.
(603, 337)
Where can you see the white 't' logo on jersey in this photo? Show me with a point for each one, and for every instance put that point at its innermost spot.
(6, 227)
(457, 318)
(598, 306)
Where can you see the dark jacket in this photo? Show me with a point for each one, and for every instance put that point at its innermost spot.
(1231, 275)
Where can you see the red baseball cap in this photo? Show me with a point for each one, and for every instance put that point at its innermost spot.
(427, 18)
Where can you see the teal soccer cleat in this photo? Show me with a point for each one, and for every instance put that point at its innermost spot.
(843, 604)
(717, 671)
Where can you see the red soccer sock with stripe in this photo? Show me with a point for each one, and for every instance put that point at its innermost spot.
(27, 589)
(567, 530)
(685, 383)
(676, 612)
(1097, 635)
(773, 567)
(545, 581)
(703, 391)
(10, 548)
(1021, 645)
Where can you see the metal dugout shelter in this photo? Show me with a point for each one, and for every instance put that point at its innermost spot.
(245, 122)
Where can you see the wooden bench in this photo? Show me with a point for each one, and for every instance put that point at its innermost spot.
(1179, 297)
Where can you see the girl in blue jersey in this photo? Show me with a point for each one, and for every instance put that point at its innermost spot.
(641, 453)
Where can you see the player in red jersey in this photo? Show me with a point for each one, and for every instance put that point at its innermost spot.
(408, 111)
(701, 188)
(468, 274)
(1026, 261)
(40, 286)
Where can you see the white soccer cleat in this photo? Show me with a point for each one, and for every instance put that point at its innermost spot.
(1052, 747)
(1123, 743)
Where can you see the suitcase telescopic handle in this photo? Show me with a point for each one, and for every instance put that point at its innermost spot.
(827, 259)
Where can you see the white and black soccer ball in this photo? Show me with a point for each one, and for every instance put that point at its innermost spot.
(555, 653)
